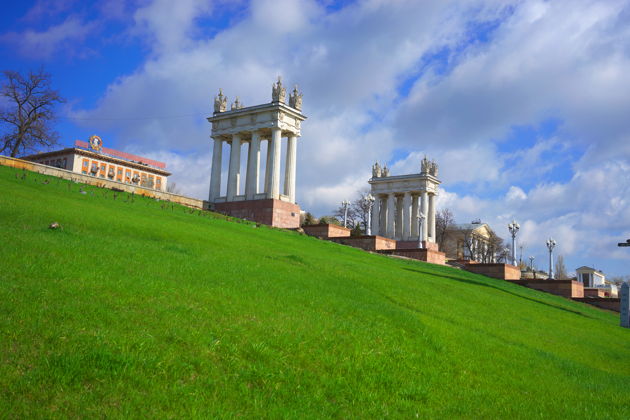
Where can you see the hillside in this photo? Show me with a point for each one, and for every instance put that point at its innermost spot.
(137, 308)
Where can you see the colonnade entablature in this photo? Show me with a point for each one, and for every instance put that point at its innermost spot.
(253, 125)
(404, 208)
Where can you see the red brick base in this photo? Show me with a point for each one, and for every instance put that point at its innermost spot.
(414, 245)
(612, 304)
(422, 254)
(270, 212)
(325, 231)
(566, 288)
(498, 271)
(368, 243)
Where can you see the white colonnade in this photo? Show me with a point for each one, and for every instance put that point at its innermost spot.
(270, 122)
(401, 199)
(271, 185)
(395, 215)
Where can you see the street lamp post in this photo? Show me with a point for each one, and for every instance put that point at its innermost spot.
(369, 200)
(624, 298)
(531, 265)
(421, 217)
(513, 228)
(345, 204)
(551, 243)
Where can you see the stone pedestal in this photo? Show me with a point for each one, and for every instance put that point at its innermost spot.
(611, 304)
(270, 212)
(431, 255)
(564, 288)
(496, 270)
(432, 246)
(326, 231)
(367, 242)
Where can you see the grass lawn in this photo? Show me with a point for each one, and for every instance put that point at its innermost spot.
(137, 308)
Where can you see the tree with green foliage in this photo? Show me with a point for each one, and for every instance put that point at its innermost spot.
(357, 231)
(329, 220)
(28, 113)
(309, 219)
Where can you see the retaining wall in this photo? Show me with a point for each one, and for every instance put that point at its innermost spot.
(566, 288)
(422, 254)
(327, 230)
(612, 304)
(368, 243)
(496, 270)
(101, 182)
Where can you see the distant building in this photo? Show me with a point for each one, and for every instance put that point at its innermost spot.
(91, 158)
(474, 241)
(592, 278)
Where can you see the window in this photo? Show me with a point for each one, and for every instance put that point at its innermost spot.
(119, 173)
(84, 166)
(158, 183)
(102, 172)
(94, 168)
(64, 163)
(151, 184)
(127, 176)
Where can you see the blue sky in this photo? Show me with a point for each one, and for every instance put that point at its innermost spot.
(524, 104)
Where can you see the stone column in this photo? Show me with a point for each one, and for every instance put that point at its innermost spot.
(268, 167)
(391, 215)
(253, 167)
(431, 217)
(414, 217)
(383, 210)
(424, 205)
(376, 216)
(289, 170)
(234, 174)
(274, 168)
(406, 216)
(399, 218)
(215, 178)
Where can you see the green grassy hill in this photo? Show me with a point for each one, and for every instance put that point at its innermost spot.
(137, 308)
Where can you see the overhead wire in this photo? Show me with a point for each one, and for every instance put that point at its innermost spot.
(66, 117)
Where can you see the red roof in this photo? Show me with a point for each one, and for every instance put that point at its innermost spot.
(123, 155)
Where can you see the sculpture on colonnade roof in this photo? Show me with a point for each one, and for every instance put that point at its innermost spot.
(278, 92)
(220, 102)
(376, 170)
(295, 99)
(429, 167)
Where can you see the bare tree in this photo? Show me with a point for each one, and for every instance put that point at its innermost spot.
(468, 245)
(560, 270)
(494, 249)
(443, 221)
(357, 211)
(361, 208)
(173, 188)
(351, 215)
(29, 112)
